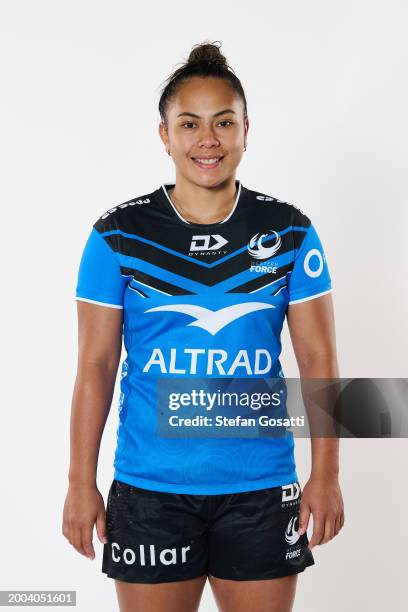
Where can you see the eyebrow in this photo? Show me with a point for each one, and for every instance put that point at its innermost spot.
(226, 110)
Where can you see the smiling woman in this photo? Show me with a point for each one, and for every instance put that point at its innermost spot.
(200, 274)
(204, 126)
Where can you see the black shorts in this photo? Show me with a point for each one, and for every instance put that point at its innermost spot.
(163, 537)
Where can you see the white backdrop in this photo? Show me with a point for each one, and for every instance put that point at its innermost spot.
(327, 98)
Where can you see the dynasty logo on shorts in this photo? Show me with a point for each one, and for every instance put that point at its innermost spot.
(290, 495)
(167, 556)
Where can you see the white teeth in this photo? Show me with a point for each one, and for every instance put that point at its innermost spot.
(207, 161)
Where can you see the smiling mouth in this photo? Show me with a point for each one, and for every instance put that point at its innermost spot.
(208, 162)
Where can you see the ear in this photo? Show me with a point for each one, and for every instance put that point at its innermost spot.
(163, 133)
(246, 126)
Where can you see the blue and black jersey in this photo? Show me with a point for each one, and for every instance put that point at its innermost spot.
(200, 300)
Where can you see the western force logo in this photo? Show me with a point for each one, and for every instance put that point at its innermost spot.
(257, 248)
(213, 321)
(291, 537)
(202, 243)
(291, 534)
(125, 205)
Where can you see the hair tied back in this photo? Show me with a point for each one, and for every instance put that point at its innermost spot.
(207, 53)
(205, 60)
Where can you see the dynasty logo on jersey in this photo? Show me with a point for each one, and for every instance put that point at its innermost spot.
(205, 242)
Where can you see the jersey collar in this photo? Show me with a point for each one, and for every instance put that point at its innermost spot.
(165, 199)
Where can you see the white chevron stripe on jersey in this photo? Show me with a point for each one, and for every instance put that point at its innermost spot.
(213, 320)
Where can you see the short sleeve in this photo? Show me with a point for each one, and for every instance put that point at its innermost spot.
(99, 276)
(310, 276)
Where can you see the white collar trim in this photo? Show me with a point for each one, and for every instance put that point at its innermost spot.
(164, 187)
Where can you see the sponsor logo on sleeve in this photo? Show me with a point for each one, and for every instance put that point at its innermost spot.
(313, 263)
(125, 205)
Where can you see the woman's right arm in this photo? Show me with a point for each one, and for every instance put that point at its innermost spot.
(99, 351)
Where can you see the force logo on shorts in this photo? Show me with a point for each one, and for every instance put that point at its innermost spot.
(292, 537)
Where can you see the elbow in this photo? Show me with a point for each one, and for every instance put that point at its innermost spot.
(319, 365)
(103, 367)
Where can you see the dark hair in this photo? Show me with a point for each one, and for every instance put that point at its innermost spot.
(205, 60)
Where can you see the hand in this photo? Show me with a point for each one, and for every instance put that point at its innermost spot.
(83, 507)
(321, 496)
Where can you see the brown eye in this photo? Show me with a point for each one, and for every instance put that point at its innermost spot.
(188, 123)
(227, 121)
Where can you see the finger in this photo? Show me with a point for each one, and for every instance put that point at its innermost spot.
(69, 534)
(318, 530)
(77, 538)
(304, 516)
(337, 525)
(101, 527)
(340, 520)
(329, 522)
(86, 538)
(65, 530)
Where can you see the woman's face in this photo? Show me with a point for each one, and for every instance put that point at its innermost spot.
(205, 119)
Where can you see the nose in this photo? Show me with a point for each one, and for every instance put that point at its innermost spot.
(207, 138)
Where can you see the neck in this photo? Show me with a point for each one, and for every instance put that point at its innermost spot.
(199, 204)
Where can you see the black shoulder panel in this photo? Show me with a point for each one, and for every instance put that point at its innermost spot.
(290, 212)
(120, 215)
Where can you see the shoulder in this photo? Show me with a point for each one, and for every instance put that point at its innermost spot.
(118, 215)
(288, 211)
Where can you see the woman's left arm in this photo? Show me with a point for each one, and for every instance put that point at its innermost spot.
(312, 331)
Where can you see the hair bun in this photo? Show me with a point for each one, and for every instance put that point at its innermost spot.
(207, 53)
(205, 60)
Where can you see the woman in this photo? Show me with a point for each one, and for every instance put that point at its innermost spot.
(201, 273)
